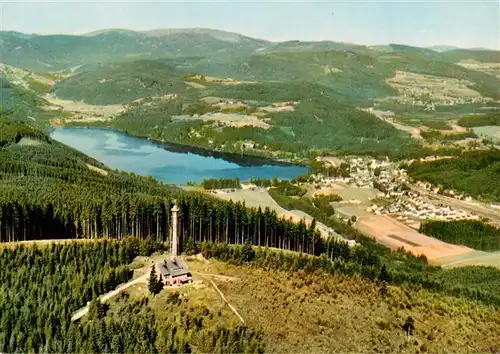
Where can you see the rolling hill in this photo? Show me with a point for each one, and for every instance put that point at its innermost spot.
(163, 78)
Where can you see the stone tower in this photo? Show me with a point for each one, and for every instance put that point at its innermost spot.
(175, 238)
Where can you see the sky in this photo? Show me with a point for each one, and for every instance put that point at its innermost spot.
(468, 24)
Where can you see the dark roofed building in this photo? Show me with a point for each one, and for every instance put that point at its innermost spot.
(173, 272)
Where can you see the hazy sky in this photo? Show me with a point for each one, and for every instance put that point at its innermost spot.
(470, 23)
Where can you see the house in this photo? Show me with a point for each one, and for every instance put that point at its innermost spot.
(173, 272)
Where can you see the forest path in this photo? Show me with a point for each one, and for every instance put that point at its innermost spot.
(84, 310)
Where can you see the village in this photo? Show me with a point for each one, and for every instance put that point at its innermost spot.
(390, 192)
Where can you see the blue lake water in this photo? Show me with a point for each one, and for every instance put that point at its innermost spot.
(168, 163)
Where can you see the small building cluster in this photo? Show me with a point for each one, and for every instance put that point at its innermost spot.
(447, 192)
(414, 206)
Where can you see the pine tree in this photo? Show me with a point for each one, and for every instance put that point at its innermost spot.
(384, 275)
(153, 282)
(159, 284)
(96, 309)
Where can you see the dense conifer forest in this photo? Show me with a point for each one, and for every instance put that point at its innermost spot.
(472, 233)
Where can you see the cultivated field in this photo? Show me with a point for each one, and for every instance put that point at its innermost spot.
(489, 131)
(394, 234)
(228, 119)
(488, 68)
(427, 87)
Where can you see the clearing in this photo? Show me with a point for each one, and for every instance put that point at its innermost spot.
(82, 112)
(97, 169)
(227, 81)
(28, 142)
(488, 131)
(235, 120)
(260, 197)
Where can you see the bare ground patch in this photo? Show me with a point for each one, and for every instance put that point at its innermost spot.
(224, 81)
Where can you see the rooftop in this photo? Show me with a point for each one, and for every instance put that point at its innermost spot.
(174, 268)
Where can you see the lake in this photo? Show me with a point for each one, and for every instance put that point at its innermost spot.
(166, 162)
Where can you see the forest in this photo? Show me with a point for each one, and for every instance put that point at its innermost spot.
(480, 120)
(471, 233)
(41, 287)
(475, 172)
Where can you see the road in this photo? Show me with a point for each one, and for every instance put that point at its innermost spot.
(84, 310)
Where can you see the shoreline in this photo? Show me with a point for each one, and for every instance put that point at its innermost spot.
(243, 159)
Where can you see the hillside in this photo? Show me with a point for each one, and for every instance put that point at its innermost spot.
(57, 52)
(289, 309)
(198, 111)
(476, 173)
(48, 190)
(121, 82)
(328, 89)
(19, 102)
(289, 99)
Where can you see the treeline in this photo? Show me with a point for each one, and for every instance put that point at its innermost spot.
(264, 182)
(435, 135)
(480, 120)
(475, 172)
(12, 132)
(322, 202)
(471, 233)
(221, 183)
(287, 188)
(42, 287)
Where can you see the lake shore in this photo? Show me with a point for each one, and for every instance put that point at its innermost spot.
(235, 157)
(170, 163)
